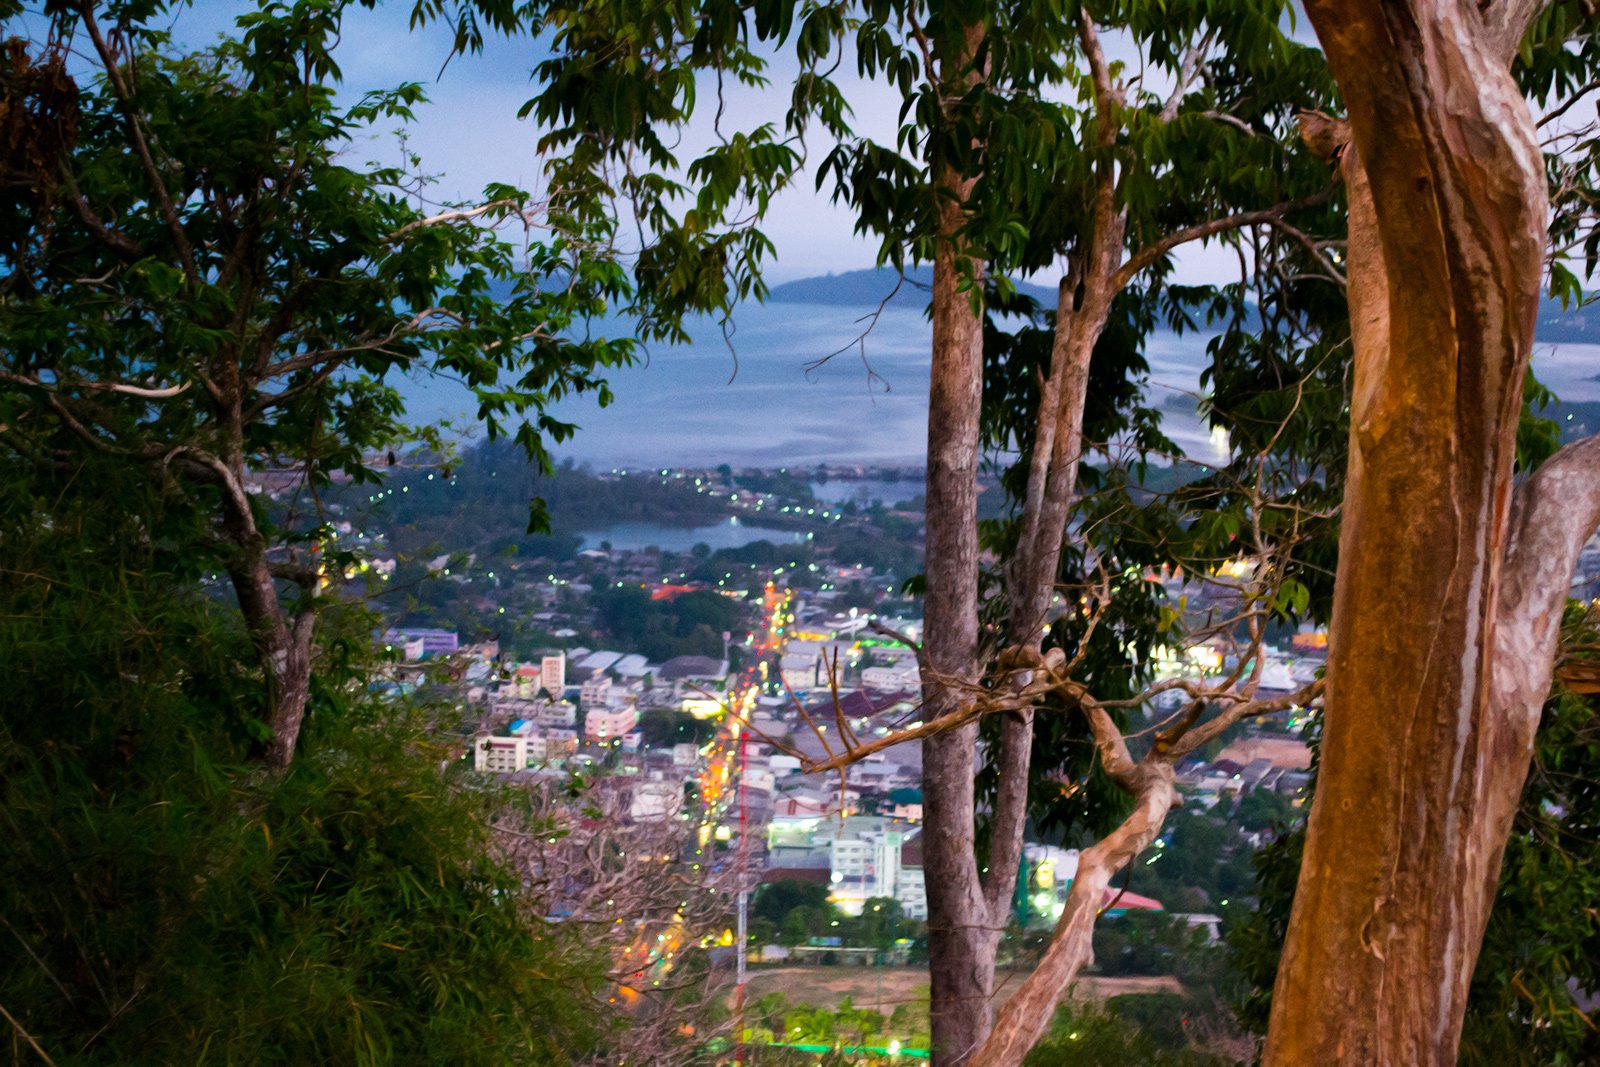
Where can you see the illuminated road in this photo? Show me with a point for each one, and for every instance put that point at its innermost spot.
(651, 956)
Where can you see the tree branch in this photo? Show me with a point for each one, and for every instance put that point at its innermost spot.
(1505, 22)
(1152, 252)
(141, 147)
(462, 215)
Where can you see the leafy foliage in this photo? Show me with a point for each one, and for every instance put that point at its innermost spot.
(165, 902)
(198, 282)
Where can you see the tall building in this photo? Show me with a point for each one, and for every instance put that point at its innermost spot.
(553, 674)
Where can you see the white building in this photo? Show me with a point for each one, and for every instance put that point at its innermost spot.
(863, 864)
(599, 661)
(910, 889)
(893, 679)
(799, 670)
(867, 857)
(558, 713)
(653, 801)
(632, 666)
(501, 755)
(596, 691)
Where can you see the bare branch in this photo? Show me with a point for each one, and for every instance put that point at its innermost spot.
(465, 215)
(1248, 709)
(1107, 100)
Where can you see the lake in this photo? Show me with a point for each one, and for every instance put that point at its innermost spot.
(633, 536)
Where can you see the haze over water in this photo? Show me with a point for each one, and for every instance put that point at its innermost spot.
(679, 407)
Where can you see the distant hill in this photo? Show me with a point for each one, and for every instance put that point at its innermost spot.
(1576, 326)
(866, 288)
(856, 288)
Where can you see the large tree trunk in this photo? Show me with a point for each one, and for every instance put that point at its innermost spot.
(962, 938)
(1444, 624)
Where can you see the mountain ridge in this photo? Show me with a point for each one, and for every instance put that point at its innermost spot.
(869, 287)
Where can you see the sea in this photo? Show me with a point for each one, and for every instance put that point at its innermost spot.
(788, 384)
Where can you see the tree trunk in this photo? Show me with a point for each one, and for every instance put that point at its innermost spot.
(961, 937)
(282, 643)
(1423, 756)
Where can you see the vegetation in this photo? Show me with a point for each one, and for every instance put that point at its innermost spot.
(164, 902)
(254, 295)
(226, 843)
(691, 624)
(481, 505)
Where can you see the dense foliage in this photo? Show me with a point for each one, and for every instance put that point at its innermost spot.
(196, 281)
(165, 902)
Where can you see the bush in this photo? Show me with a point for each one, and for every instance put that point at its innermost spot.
(167, 902)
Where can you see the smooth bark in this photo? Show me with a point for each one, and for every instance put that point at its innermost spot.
(1028, 1013)
(968, 911)
(1443, 631)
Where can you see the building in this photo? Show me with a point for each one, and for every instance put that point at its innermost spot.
(910, 887)
(434, 642)
(693, 668)
(552, 745)
(501, 755)
(553, 674)
(631, 666)
(866, 857)
(595, 691)
(526, 680)
(654, 801)
(900, 676)
(599, 661)
(799, 670)
(865, 862)
(558, 713)
(607, 724)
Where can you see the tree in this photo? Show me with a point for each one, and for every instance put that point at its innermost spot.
(164, 901)
(198, 283)
(1540, 946)
(1452, 577)
(775, 900)
(986, 178)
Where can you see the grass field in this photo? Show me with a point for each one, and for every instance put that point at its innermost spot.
(883, 988)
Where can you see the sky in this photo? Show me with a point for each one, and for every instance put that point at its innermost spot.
(680, 406)
(469, 134)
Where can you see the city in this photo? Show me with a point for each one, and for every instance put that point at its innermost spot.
(800, 534)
